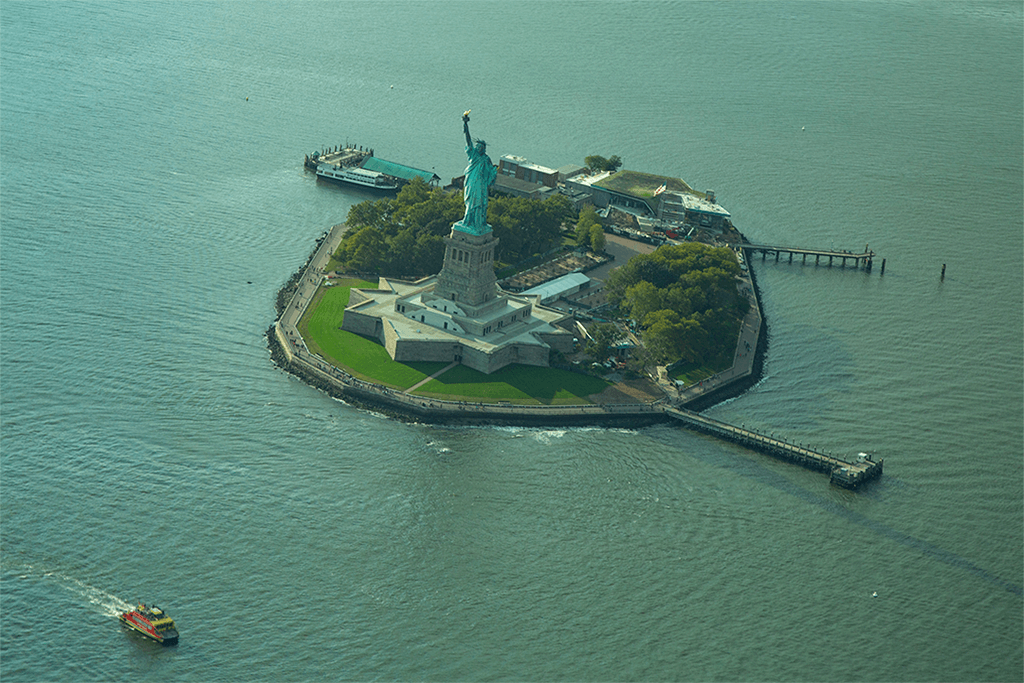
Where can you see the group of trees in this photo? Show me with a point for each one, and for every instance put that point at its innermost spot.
(598, 163)
(404, 236)
(684, 300)
(589, 233)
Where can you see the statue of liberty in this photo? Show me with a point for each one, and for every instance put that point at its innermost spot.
(480, 174)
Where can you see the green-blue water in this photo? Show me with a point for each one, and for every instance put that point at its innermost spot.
(153, 202)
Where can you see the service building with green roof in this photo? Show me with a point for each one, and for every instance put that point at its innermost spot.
(662, 197)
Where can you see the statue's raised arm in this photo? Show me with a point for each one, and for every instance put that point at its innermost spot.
(465, 128)
(480, 174)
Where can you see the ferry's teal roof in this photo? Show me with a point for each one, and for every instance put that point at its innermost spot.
(397, 170)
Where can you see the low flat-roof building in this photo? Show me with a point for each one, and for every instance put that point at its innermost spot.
(684, 207)
(559, 287)
(664, 198)
(518, 167)
(603, 196)
(522, 188)
(570, 171)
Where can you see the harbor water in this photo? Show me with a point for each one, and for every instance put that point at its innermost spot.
(154, 202)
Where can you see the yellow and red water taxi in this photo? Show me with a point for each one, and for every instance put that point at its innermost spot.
(151, 622)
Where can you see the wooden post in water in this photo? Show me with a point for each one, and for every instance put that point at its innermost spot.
(882, 271)
(942, 278)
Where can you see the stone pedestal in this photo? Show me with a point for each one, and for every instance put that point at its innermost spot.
(467, 276)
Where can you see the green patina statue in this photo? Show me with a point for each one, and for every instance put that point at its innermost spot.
(480, 174)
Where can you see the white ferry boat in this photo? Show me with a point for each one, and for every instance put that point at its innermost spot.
(357, 176)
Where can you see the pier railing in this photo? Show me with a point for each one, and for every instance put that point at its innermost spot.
(842, 473)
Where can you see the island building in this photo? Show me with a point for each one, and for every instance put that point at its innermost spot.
(668, 200)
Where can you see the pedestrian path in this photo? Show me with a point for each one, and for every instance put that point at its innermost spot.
(437, 374)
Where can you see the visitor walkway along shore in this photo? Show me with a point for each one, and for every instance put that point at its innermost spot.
(678, 405)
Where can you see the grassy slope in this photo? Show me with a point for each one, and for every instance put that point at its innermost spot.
(516, 384)
(363, 357)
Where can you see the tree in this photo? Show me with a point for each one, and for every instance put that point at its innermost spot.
(370, 213)
(525, 227)
(588, 219)
(366, 250)
(662, 336)
(602, 336)
(597, 239)
(642, 299)
(595, 162)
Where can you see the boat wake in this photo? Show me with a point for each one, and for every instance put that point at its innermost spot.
(106, 603)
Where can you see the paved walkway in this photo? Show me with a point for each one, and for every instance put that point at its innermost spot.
(307, 286)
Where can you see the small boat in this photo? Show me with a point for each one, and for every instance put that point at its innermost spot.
(151, 622)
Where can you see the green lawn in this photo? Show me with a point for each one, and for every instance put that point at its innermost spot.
(690, 373)
(367, 359)
(515, 384)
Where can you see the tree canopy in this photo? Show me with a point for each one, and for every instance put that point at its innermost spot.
(684, 299)
(585, 225)
(596, 162)
(404, 236)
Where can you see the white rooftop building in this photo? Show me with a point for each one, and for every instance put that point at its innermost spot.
(559, 287)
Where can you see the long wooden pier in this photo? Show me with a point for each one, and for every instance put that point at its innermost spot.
(848, 475)
(865, 257)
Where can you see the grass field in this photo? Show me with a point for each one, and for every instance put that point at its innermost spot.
(515, 384)
(367, 359)
(362, 357)
(688, 373)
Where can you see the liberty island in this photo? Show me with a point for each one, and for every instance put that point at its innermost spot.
(461, 317)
